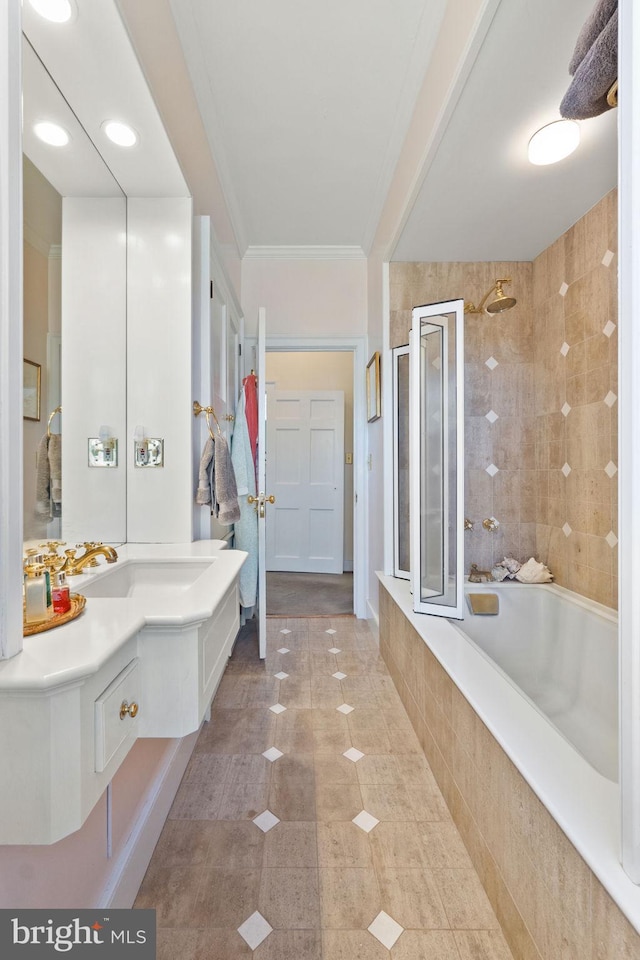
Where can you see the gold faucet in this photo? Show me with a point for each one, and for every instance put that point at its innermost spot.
(74, 566)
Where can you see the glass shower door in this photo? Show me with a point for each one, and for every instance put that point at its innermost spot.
(437, 462)
(401, 475)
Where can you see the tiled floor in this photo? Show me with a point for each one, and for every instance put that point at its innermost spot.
(308, 825)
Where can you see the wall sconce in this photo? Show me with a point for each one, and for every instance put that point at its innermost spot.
(148, 451)
(103, 449)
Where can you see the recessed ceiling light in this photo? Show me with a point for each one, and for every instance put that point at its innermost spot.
(58, 11)
(51, 133)
(554, 142)
(120, 133)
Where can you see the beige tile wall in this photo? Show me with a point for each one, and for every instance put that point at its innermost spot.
(575, 355)
(549, 903)
(505, 388)
(557, 346)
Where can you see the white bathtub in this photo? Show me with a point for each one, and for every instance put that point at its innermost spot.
(561, 652)
(542, 676)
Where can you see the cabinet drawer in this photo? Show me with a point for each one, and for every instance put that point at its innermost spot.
(116, 711)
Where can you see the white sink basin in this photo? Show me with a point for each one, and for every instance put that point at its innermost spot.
(152, 579)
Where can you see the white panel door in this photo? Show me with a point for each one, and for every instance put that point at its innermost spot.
(305, 472)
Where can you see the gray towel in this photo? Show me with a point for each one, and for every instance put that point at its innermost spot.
(204, 493)
(594, 65)
(43, 479)
(226, 491)
(55, 469)
(593, 27)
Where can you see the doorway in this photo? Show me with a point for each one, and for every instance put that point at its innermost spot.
(356, 439)
(310, 471)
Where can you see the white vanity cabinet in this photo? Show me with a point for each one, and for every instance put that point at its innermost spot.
(183, 667)
(52, 775)
(74, 702)
(115, 714)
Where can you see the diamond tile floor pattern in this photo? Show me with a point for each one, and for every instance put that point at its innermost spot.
(313, 833)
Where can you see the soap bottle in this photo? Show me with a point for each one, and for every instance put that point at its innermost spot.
(39, 559)
(35, 592)
(61, 594)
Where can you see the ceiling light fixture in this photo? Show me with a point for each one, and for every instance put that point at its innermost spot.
(553, 142)
(57, 11)
(120, 133)
(51, 133)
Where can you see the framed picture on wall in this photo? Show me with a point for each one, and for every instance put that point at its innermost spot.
(30, 390)
(373, 387)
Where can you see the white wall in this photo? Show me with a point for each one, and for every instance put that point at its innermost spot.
(126, 356)
(323, 371)
(321, 298)
(311, 298)
(94, 331)
(159, 500)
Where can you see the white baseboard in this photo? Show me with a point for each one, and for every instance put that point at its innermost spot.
(130, 865)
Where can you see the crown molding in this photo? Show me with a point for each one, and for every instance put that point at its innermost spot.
(324, 252)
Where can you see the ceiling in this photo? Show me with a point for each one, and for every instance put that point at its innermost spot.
(306, 106)
(481, 198)
(82, 73)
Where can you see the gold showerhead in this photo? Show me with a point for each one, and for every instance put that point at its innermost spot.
(498, 304)
(502, 301)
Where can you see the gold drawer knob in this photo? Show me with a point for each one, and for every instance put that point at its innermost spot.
(128, 708)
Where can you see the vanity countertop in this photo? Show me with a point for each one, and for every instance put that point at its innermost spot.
(78, 649)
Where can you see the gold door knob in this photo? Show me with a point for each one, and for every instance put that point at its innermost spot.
(270, 499)
(128, 708)
(251, 499)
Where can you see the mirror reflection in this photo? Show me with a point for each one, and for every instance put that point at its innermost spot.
(52, 171)
(42, 220)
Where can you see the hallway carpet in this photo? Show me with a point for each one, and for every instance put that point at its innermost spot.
(309, 594)
(308, 825)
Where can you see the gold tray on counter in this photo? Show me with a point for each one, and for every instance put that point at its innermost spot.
(78, 603)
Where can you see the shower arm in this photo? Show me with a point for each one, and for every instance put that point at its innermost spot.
(470, 307)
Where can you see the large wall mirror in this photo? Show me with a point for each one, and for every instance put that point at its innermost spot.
(66, 185)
